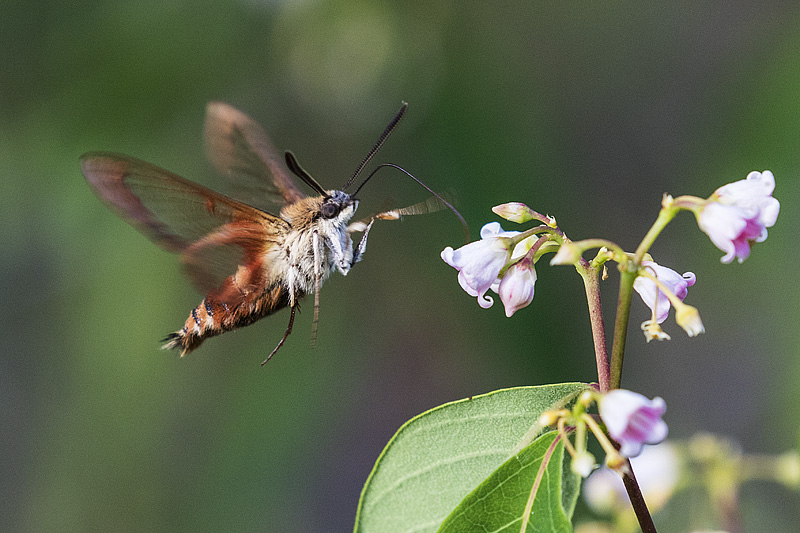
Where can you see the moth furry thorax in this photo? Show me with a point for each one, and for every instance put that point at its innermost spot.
(317, 224)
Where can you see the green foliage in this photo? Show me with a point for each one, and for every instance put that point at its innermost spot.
(438, 458)
(499, 503)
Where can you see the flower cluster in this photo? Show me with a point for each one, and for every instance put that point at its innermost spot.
(735, 217)
(630, 419)
(503, 261)
(500, 261)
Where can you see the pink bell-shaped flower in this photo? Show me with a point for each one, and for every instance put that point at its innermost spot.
(632, 420)
(480, 262)
(654, 297)
(739, 213)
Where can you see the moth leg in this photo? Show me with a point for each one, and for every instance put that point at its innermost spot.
(317, 285)
(362, 244)
(342, 252)
(285, 335)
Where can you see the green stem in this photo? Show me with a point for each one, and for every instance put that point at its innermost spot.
(591, 282)
(588, 244)
(629, 271)
(664, 217)
(621, 325)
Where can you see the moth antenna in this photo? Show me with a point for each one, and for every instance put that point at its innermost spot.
(437, 195)
(297, 170)
(378, 144)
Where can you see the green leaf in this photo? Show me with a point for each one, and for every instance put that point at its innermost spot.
(499, 503)
(437, 458)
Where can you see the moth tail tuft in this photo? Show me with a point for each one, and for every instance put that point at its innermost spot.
(179, 340)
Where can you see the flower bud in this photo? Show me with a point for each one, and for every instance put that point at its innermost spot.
(549, 418)
(688, 318)
(515, 212)
(568, 254)
(583, 464)
(517, 286)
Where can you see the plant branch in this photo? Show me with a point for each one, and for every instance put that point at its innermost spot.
(626, 280)
(637, 501)
(666, 214)
(591, 282)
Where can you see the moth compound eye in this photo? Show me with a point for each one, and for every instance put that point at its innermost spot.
(330, 209)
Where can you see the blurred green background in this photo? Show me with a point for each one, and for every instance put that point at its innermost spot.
(587, 111)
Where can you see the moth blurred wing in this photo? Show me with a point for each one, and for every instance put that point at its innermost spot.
(239, 148)
(215, 235)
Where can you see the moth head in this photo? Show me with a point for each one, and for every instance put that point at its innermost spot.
(337, 207)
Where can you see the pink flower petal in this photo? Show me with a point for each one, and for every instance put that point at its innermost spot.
(676, 283)
(739, 213)
(632, 420)
(480, 262)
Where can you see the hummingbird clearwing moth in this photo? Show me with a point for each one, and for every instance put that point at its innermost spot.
(248, 262)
